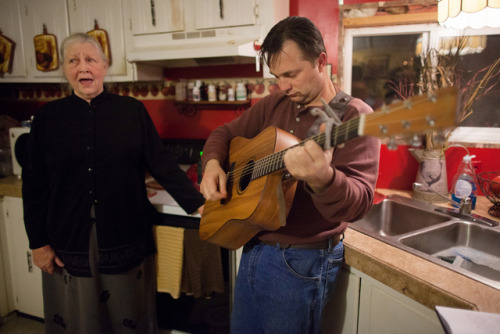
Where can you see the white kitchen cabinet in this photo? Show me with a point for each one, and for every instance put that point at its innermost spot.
(341, 313)
(34, 15)
(10, 26)
(384, 310)
(364, 305)
(22, 20)
(6, 301)
(23, 278)
(224, 13)
(153, 16)
(108, 14)
(200, 30)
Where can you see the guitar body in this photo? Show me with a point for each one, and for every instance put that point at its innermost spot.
(252, 206)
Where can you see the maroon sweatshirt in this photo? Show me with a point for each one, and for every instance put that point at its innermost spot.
(312, 217)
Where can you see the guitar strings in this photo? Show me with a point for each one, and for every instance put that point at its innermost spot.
(276, 159)
(272, 159)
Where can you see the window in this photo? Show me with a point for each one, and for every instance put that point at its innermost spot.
(382, 62)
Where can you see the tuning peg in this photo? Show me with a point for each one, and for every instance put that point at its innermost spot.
(430, 120)
(392, 145)
(406, 124)
(416, 141)
(383, 128)
(408, 104)
(439, 138)
(432, 97)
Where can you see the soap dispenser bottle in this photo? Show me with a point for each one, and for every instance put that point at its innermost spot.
(465, 181)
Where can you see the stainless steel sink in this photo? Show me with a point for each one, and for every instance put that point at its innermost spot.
(399, 215)
(462, 244)
(467, 247)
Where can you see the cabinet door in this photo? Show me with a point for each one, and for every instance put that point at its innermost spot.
(6, 296)
(10, 26)
(156, 16)
(224, 13)
(384, 310)
(35, 14)
(341, 312)
(109, 17)
(26, 277)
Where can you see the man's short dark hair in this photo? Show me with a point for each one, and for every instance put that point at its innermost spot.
(295, 28)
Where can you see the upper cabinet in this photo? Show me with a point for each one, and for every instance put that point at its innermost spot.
(224, 13)
(142, 36)
(155, 16)
(189, 32)
(105, 20)
(39, 27)
(12, 63)
(36, 28)
(44, 27)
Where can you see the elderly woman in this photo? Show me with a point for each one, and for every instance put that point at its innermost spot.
(86, 211)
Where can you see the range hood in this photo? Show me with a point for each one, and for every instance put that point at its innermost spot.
(199, 53)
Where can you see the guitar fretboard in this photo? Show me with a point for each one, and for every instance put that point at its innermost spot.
(274, 162)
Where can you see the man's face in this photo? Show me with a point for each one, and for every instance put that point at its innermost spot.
(84, 69)
(301, 80)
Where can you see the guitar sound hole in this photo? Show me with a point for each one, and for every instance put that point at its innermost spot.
(246, 176)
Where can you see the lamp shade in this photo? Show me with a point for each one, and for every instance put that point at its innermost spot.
(460, 14)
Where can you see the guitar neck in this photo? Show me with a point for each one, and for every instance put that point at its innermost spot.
(339, 135)
(420, 114)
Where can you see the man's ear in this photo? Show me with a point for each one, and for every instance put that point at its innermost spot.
(322, 62)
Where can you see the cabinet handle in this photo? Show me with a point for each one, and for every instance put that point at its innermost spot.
(153, 13)
(30, 262)
(221, 9)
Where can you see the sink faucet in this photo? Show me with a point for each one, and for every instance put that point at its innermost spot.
(464, 208)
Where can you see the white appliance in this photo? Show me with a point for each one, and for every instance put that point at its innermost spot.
(17, 135)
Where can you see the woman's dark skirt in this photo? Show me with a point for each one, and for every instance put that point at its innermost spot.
(122, 303)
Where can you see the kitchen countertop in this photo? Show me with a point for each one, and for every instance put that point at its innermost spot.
(415, 277)
(11, 186)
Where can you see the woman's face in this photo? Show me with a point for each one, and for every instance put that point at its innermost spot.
(84, 69)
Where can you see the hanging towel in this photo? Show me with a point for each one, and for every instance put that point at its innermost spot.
(169, 259)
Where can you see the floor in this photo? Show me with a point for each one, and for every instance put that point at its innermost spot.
(187, 315)
(16, 324)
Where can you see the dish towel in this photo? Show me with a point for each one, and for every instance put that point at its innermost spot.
(169, 259)
(202, 272)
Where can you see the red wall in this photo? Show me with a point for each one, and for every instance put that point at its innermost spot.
(397, 168)
(325, 15)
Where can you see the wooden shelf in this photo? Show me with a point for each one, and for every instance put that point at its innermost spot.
(190, 108)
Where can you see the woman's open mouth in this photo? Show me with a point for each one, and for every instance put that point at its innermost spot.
(86, 81)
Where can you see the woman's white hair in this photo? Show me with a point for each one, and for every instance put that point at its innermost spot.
(81, 38)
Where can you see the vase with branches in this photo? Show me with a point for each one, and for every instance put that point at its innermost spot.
(438, 69)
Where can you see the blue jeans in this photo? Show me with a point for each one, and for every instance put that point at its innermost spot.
(283, 290)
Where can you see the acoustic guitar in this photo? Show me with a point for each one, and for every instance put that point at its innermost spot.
(260, 191)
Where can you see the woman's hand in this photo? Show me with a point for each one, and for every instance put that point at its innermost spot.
(46, 259)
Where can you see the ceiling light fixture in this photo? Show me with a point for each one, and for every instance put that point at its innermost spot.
(476, 14)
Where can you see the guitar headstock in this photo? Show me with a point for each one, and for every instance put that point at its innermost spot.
(417, 115)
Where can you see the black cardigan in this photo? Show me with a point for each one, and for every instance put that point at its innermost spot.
(81, 154)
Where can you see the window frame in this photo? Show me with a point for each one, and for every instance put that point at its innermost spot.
(431, 32)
